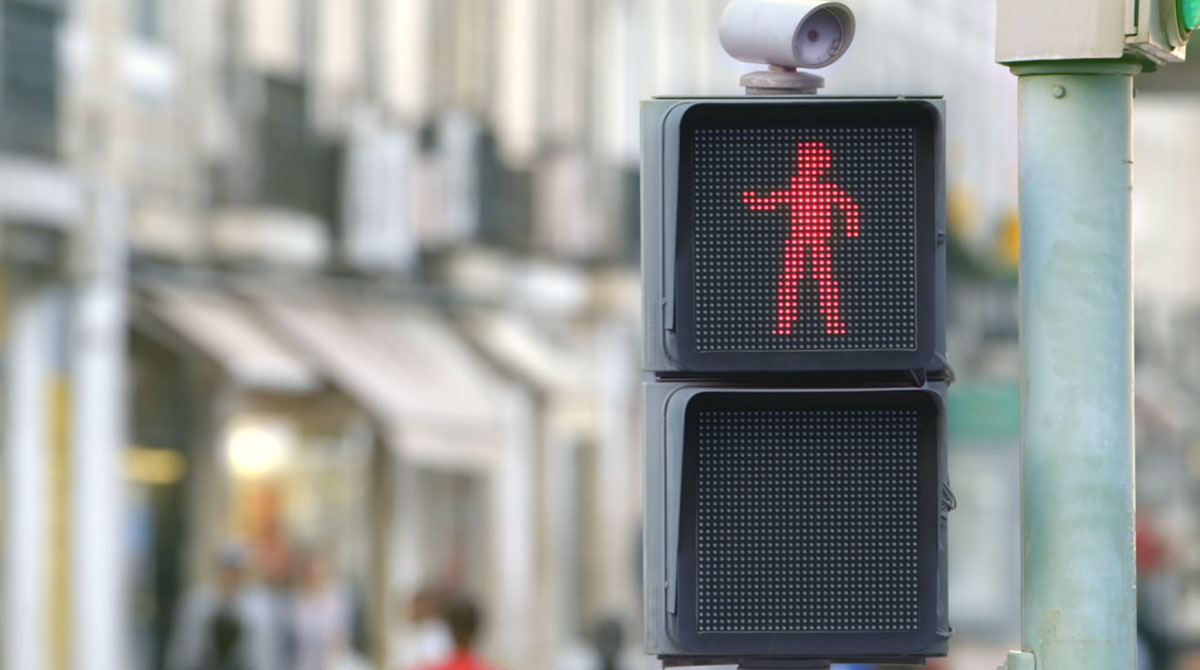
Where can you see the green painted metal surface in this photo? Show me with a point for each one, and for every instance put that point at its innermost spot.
(1078, 594)
(985, 411)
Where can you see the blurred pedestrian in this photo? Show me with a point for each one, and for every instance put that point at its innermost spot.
(279, 572)
(464, 620)
(321, 618)
(227, 627)
(609, 641)
(1156, 588)
(426, 639)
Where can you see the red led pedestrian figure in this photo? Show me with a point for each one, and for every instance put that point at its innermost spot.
(812, 202)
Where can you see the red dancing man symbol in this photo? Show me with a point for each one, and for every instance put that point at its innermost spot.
(812, 202)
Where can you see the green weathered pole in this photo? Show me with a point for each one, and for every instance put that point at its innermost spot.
(1078, 588)
(1076, 60)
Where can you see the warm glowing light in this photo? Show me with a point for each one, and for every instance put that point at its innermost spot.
(158, 467)
(805, 239)
(257, 448)
(812, 204)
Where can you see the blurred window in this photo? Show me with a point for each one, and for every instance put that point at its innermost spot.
(148, 20)
(29, 76)
(506, 220)
(300, 168)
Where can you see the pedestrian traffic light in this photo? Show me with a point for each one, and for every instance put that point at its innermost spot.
(1159, 30)
(793, 236)
(1155, 32)
(1169, 25)
(795, 523)
(793, 275)
(1189, 15)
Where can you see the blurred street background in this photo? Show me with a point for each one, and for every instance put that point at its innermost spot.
(330, 309)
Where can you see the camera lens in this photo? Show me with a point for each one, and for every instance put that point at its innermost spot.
(819, 39)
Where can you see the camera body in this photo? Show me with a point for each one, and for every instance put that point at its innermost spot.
(787, 33)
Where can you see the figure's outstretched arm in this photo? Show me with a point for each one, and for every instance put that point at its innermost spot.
(763, 202)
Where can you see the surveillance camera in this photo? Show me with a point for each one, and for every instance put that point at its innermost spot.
(787, 33)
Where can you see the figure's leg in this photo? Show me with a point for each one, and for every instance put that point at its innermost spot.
(827, 288)
(787, 306)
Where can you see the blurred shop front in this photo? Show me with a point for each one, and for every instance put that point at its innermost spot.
(237, 439)
(569, 337)
(325, 423)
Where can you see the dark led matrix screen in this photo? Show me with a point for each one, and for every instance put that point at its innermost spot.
(805, 239)
(807, 520)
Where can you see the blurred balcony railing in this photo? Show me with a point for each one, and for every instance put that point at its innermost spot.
(283, 162)
(29, 87)
(300, 169)
(506, 201)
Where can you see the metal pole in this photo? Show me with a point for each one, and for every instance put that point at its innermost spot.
(25, 484)
(98, 327)
(98, 437)
(1078, 592)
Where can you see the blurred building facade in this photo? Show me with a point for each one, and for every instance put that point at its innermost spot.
(1167, 350)
(358, 278)
(339, 328)
(61, 308)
